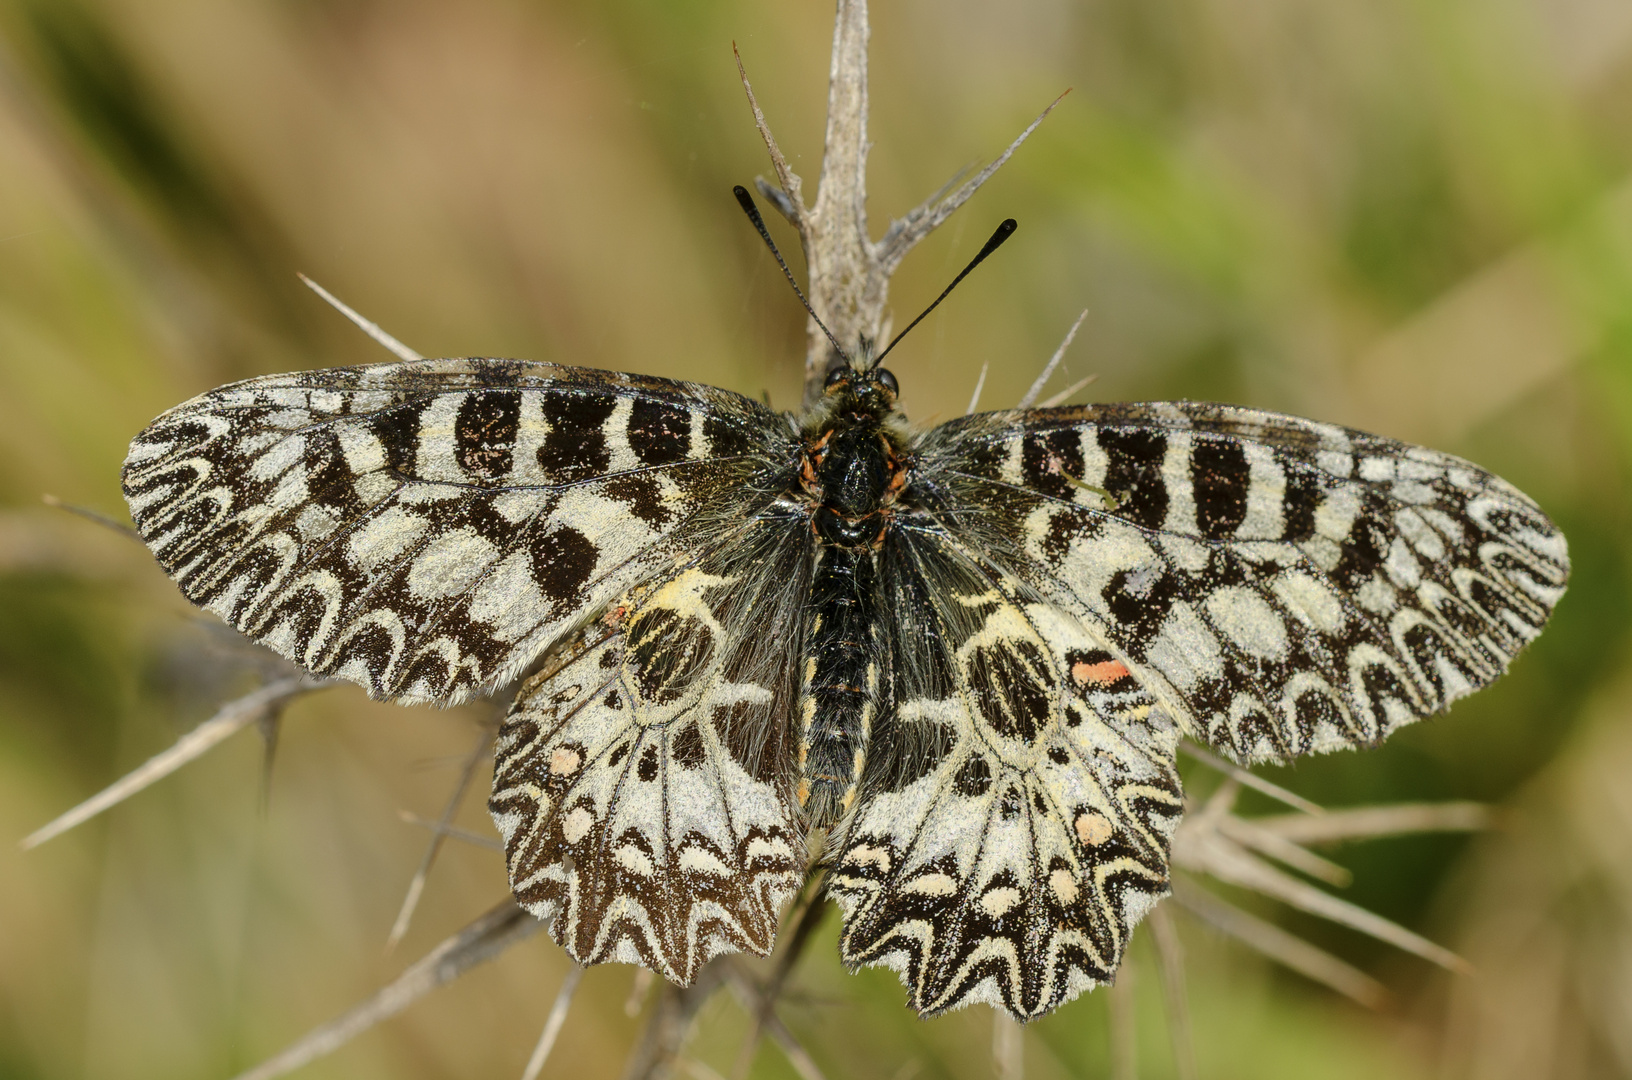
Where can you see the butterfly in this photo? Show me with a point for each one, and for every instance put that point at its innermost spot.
(953, 664)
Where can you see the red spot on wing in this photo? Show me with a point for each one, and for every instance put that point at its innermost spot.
(1104, 673)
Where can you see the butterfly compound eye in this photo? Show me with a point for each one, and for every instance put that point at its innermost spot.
(837, 375)
(886, 379)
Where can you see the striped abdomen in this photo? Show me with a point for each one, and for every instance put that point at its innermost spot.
(839, 696)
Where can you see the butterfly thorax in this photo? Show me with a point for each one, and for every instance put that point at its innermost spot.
(853, 471)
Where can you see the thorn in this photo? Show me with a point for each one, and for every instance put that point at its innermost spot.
(1008, 1046)
(791, 204)
(230, 718)
(92, 515)
(416, 887)
(642, 985)
(552, 1025)
(482, 940)
(1171, 969)
(980, 384)
(491, 843)
(372, 329)
(1247, 779)
(1061, 397)
(1036, 390)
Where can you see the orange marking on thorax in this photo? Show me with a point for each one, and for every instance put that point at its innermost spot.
(1104, 673)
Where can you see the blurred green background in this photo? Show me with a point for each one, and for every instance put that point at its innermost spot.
(1411, 216)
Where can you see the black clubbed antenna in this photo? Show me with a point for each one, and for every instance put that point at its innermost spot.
(747, 202)
(1004, 231)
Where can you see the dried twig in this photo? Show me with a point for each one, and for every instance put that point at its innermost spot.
(232, 717)
(1170, 954)
(553, 1023)
(487, 937)
(1029, 398)
(849, 275)
(1247, 779)
(127, 531)
(453, 832)
(372, 329)
(1280, 946)
(416, 886)
(980, 384)
(1065, 395)
(1370, 822)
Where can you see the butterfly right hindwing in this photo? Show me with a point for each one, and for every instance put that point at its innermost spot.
(1017, 824)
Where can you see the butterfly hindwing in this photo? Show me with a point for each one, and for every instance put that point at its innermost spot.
(642, 786)
(1281, 586)
(1017, 824)
(427, 528)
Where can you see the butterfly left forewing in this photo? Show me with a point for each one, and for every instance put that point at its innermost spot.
(427, 528)
(1016, 825)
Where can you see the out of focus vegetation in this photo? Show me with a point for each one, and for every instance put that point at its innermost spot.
(1412, 216)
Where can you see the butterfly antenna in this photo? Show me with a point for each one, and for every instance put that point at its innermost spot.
(1004, 231)
(746, 201)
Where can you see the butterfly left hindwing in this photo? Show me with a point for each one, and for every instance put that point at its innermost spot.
(641, 785)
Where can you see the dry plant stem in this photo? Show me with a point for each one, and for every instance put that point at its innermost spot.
(804, 915)
(487, 937)
(1029, 398)
(1370, 822)
(1008, 1047)
(453, 832)
(849, 275)
(1247, 779)
(757, 1003)
(1248, 833)
(657, 1055)
(1286, 949)
(1065, 395)
(1170, 953)
(231, 718)
(1124, 1034)
(416, 887)
(980, 384)
(367, 326)
(91, 515)
(553, 1024)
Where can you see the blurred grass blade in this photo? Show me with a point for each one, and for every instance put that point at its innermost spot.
(1170, 953)
(416, 886)
(367, 326)
(1248, 779)
(230, 718)
(1286, 949)
(1368, 822)
(482, 940)
(1211, 853)
(553, 1024)
(1030, 397)
(1247, 832)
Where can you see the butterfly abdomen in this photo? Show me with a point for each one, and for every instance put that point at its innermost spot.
(840, 687)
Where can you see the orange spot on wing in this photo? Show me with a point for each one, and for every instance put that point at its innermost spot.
(1104, 673)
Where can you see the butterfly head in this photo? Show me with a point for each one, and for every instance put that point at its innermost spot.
(861, 389)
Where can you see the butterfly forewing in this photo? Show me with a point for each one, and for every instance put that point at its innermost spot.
(426, 529)
(1280, 586)
(1017, 821)
(643, 788)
